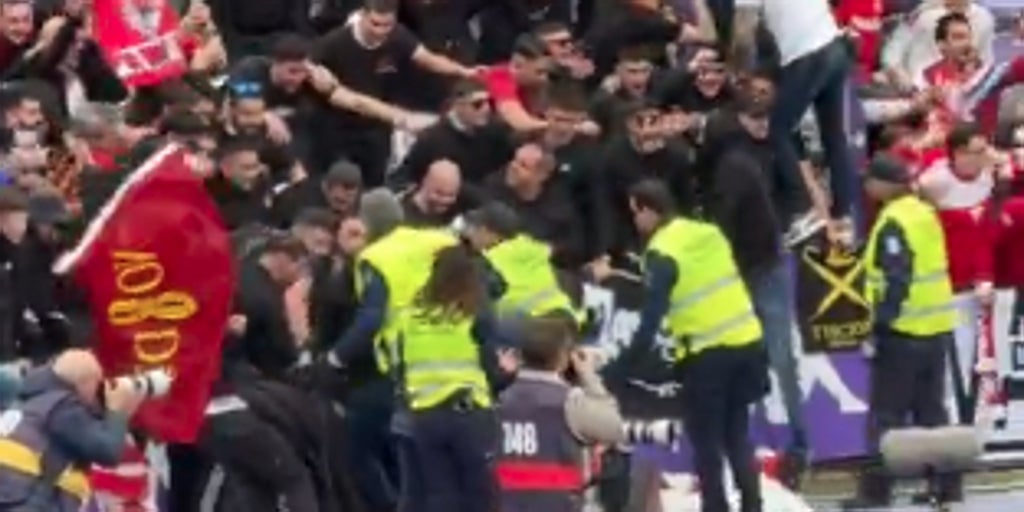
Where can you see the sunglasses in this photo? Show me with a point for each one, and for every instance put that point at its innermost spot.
(245, 89)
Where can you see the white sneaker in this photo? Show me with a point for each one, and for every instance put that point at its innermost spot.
(804, 227)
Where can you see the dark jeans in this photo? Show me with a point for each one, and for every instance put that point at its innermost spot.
(719, 385)
(772, 293)
(816, 80)
(908, 382)
(371, 444)
(447, 460)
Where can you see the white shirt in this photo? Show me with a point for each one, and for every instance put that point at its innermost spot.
(912, 48)
(800, 27)
(951, 192)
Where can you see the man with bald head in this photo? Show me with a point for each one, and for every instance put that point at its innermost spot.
(438, 199)
(60, 428)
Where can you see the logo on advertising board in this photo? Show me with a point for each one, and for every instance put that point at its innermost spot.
(834, 315)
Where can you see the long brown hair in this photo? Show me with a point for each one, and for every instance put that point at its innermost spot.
(455, 287)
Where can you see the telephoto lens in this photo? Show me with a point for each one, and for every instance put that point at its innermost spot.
(661, 432)
(153, 383)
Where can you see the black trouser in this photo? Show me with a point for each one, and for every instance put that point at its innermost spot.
(908, 381)
(447, 461)
(719, 384)
(371, 444)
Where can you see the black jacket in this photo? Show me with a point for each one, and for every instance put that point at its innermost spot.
(551, 217)
(31, 324)
(267, 343)
(623, 166)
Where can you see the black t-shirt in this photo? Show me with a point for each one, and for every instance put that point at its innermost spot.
(376, 72)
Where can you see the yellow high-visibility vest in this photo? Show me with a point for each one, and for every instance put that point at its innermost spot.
(403, 258)
(439, 358)
(531, 288)
(929, 308)
(710, 306)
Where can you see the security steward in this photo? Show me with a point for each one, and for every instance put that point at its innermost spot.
(693, 285)
(442, 346)
(914, 318)
(59, 430)
(522, 281)
(388, 274)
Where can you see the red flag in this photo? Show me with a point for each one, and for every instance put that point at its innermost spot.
(157, 269)
(140, 39)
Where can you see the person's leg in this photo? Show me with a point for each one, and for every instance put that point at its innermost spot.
(723, 12)
(929, 408)
(430, 435)
(738, 447)
(892, 397)
(799, 84)
(830, 112)
(772, 294)
(704, 404)
(370, 447)
(473, 441)
(411, 465)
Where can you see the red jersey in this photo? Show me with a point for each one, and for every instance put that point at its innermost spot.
(864, 18)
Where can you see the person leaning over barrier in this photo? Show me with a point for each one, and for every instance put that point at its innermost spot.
(521, 280)
(443, 347)
(61, 427)
(693, 285)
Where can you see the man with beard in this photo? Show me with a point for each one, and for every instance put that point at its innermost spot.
(435, 202)
(247, 117)
(240, 186)
(338, 191)
(292, 89)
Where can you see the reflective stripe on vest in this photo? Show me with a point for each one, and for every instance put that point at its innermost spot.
(710, 305)
(539, 476)
(527, 304)
(403, 259)
(920, 312)
(439, 358)
(20, 458)
(531, 287)
(696, 296)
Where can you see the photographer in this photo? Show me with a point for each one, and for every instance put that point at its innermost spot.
(554, 410)
(60, 428)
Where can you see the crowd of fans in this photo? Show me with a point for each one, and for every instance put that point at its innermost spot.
(327, 120)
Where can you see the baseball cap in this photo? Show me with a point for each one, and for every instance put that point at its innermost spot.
(888, 169)
(344, 173)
